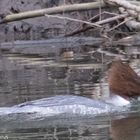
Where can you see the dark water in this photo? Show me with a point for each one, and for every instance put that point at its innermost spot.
(30, 77)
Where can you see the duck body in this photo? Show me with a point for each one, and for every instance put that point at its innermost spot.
(63, 104)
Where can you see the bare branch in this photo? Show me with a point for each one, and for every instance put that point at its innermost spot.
(53, 10)
(72, 19)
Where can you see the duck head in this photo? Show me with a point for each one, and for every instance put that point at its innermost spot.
(123, 80)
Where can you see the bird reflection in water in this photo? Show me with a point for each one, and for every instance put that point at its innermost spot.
(125, 129)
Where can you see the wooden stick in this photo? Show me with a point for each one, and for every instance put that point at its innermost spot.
(54, 10)
(111, 19)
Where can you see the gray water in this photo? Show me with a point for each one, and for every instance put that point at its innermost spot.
(25, 78)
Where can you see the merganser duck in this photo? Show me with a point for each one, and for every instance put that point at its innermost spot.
(123, 84)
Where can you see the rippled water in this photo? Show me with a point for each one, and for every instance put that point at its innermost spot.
(25, 78)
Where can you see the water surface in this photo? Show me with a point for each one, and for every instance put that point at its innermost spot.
(25, 78)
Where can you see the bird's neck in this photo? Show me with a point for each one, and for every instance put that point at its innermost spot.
(117, 100)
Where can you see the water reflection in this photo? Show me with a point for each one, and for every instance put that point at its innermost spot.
(25, 78)
(30, 77)
(51, 128)
(126, 128)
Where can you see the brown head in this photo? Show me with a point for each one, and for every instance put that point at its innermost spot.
(123, 80)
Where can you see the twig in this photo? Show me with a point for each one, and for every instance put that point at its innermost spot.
(125, 21)
(72, 19)
(104, 12)
(111, 19)
(100, 23)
